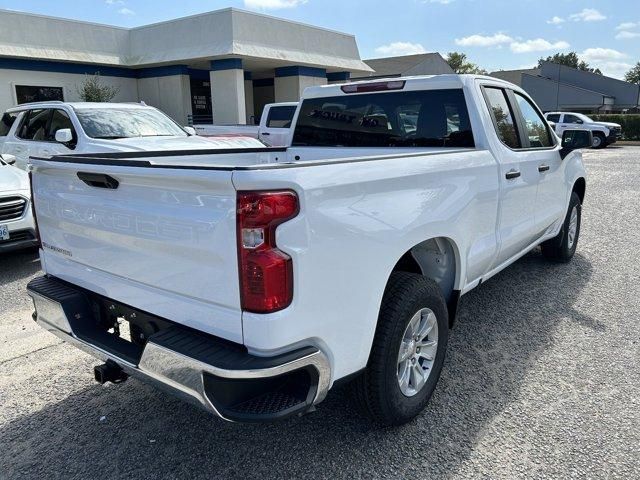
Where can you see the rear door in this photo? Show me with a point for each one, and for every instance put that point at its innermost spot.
(518, 176)
(161, 240)
(28, 136)
(275, 124)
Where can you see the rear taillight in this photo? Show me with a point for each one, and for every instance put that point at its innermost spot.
(266, 273)
(33, 208)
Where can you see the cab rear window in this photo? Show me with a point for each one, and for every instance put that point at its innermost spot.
(6, 122)
(428, 118)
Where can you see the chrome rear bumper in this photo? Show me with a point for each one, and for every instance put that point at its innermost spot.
(59, 308)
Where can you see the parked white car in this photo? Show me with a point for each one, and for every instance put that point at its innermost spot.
(252, 282)
(56, 128)
(274, 128)
(17, 229)
(604, 133)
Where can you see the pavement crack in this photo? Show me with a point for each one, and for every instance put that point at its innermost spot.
(29, 353)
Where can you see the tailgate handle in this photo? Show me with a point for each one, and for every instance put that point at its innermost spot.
(98, 180)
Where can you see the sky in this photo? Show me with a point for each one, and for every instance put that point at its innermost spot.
(495, 34)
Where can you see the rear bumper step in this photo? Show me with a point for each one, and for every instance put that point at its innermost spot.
(220, 376)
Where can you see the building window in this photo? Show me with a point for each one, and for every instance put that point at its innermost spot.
(27, 94)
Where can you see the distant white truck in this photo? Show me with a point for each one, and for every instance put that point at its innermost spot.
(45, 129)
(604, 133)
(274, 128)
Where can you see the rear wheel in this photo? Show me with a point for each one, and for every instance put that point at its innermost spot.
(599, 140)
(562, 247)
(408, 351)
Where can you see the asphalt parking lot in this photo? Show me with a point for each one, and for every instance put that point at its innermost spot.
(542, 380)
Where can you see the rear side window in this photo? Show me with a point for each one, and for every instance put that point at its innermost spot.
(502, 116)
(34, 125)
(7, 121)
(553, 117)
(280, 117)
(429, 118)
(534, 125)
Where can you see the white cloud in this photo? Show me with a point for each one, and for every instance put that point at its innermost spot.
(272, 4)
(126, 11)
(611, 62)
(587, 15)
(628, 25)
(483, 40)
(114, 2)
(442, 2)
(400, 48)
(602, 54)
(625, 35)
(537, 45)
(555, 21)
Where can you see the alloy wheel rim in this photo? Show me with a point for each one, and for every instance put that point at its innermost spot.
(596, 141)
(417, 352)
(573, 226)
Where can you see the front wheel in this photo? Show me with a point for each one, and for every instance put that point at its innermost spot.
(408, 351)
(562, 247)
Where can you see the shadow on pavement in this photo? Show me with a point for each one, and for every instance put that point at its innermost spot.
(504, 327)
(18, 265)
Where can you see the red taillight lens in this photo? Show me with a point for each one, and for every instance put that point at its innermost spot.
(266, 273)
(33, 209)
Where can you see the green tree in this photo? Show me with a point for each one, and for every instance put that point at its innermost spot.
(570, 60)
(92, 90)
(459, 64)
(633, 75)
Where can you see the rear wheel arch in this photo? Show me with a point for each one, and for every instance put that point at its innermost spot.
(437, 259)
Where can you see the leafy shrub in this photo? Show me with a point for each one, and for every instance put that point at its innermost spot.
(92, 90)
(630, 124)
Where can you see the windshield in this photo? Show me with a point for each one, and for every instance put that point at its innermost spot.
(113, 123)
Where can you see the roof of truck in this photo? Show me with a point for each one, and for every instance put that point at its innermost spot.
(422, 82)
(77, 105)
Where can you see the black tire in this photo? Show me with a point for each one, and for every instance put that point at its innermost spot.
(559, 249)
(599, 140)
(377, 391)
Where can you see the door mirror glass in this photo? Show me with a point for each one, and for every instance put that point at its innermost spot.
(190, 131)
(575, 139)
(64, 135)
(8, 159)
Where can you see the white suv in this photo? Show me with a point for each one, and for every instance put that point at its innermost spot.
(57, 128)
(17, 228)
(604, 133)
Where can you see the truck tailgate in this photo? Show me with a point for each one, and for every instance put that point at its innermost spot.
(163, 240)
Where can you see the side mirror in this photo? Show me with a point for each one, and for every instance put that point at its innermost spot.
(64, 135)
(574, 140)
(552, 125)
(190, 131)
(8, 159)
(579, 122)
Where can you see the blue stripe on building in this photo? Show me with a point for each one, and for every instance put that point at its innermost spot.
(299, 71)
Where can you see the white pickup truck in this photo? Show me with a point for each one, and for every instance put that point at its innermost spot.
(252, 282)
(604, 133)
(274, 128)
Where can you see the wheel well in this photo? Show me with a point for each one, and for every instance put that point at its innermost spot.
(435, 259)
(580, 188)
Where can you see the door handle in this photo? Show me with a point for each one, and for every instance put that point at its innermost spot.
(98, 180)
(543, 168)
(266, 134)
(511, 174)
